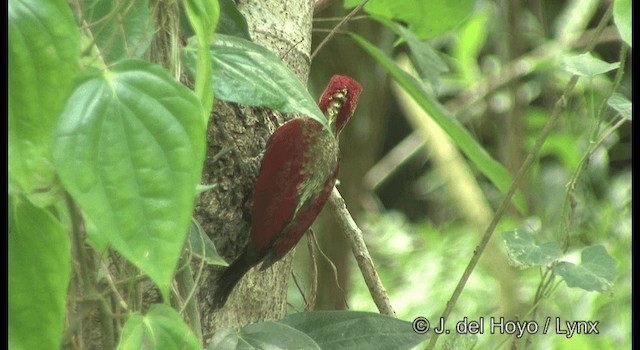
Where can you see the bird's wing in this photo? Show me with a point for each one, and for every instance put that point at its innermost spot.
(275, 196)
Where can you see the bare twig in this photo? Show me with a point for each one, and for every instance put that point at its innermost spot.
(299, 287)
(333, 267)
(361, 253)
(335, 29)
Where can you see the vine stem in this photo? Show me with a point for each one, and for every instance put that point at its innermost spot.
(555, 115)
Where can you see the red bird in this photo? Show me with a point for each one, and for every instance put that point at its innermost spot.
(297, 173)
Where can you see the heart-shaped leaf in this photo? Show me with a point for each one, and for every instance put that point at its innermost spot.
(129, 148)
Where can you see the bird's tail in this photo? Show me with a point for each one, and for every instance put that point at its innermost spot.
(230, 278)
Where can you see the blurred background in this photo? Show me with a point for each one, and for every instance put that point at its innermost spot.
(423, 206)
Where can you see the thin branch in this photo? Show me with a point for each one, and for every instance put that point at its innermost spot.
(114, 289)
(333, 267)
(361, 253)
(336, 19)
(299, 288)
(332, 33)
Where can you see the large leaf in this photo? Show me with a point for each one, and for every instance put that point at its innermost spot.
(596, 271)
(263, 335)
(39, 273)
(121, 29)
(427, 19)
(161, 328)
(129, 148)
(355, 330)
(44, 47)
(249, 74)
(493, 170)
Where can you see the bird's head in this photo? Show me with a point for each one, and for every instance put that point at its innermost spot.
(339, 100)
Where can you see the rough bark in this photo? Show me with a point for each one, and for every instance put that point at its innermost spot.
(236, 139)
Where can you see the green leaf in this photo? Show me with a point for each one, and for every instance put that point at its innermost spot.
(232, 22)
(203, 16)
(494, 171)
(39, 273)
(427, 19)
(121, 29)
(621, 104)
(251, 75)
(586, 65)
(622, 19)
(471, 38)
(426, 59)
(263, 335)
(201, 246)
(523, 252)
(44, 48)
(162, 328)
(355, 330)
(596, 272)
(129, 148)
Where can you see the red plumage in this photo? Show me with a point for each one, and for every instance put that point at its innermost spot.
(297, 173)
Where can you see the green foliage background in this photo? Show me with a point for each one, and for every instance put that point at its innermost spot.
(106, 148)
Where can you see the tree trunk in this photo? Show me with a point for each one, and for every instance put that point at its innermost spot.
(236, 139)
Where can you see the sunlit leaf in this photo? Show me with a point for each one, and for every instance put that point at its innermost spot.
(39, 274)
(129, 148)
(427, 19)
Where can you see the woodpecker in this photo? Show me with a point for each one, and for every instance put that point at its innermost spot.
(297, 173)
